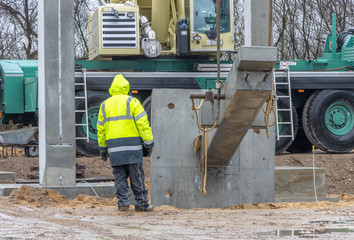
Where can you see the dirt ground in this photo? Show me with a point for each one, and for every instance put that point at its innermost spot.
(30, 213)
(339, 168)
(37, 213)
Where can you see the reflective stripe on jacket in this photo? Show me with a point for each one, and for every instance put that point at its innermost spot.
(122, 125)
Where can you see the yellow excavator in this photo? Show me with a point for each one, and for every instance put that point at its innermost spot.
(159, 27)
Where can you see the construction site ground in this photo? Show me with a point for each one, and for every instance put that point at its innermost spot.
(37, 213)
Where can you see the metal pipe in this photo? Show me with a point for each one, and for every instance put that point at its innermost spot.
(265, 77)
(334, 37)
(218, 43)
(102, 2)
(148, 31)
(199, 95)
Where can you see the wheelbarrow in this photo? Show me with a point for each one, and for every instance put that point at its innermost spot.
(20, 138)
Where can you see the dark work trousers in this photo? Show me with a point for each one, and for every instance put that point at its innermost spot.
(137, 181)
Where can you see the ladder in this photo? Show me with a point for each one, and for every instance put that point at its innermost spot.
(289, 111)
(87, 138)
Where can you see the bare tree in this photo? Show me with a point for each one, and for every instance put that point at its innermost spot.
(81, 18)
(19, 34)
(299, 32)
(22, 17)
(8, 43)
(238, 23)
(301, 26)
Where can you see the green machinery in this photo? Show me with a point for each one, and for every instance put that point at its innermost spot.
(322, 91)
(19, 87)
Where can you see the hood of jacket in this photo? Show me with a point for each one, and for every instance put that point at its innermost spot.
(120, 86)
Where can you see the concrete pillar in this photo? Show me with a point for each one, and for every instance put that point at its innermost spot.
(56, 93)
(258, 23)
(176, 172)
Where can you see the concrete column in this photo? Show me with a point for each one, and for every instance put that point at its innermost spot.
(176, 177)
(56, 93)
(258, 23)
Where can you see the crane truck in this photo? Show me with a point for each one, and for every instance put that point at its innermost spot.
(172, 44)
(322, 96)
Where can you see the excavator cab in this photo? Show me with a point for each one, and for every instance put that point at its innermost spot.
(203, 25)
(159, 27)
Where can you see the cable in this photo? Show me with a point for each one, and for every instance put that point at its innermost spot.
(197, 141)
(314, 175)
(197, 118)
(90, 187)
(270, 108)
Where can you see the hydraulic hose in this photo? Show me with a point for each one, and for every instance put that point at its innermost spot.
(342, 37)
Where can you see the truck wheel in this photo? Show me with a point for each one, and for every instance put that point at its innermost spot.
(94, 100)
(330, 121)
(305, 119)
(300, 144)
(147, 106)
(32, 151)
(285, 129)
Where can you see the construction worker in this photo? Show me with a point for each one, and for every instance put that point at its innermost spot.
(123, 127)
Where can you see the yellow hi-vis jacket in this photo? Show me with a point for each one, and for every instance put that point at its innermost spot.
(122, 125)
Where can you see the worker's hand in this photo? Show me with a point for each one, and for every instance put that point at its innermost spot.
(149, 150)
(104, 155)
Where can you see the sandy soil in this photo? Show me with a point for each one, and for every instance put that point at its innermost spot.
(37, 213)
(339, 167)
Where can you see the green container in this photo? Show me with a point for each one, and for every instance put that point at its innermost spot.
(12, 99)
(31, 94)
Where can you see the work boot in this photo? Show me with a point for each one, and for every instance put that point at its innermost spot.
(144, 208)
(123, 208)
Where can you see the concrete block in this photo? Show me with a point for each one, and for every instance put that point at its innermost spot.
(7, 177)
(247, 87)
(176, 171)
(106, 190)
(208, 114)
(296, 184)
(256, 58)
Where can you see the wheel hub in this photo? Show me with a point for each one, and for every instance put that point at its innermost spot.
(339, 118)
(92, 122)
(92, 119)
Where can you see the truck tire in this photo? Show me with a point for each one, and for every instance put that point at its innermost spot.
(305, 119)
(32, 151)
(300, 144)
(147, 106)
(329, 121)
(284, 142)
(94, 100)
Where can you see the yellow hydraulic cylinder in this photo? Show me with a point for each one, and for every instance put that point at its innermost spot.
(160, 19)
(181, 11)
